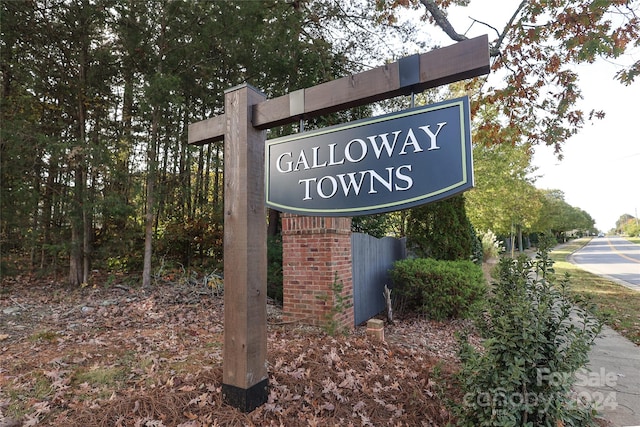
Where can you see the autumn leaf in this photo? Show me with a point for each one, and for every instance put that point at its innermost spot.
(190, 415)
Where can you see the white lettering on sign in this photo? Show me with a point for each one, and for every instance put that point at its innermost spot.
(327, 186)
(389, 144)
(395, 161)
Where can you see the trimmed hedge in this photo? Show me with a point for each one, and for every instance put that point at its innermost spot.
(438, 289)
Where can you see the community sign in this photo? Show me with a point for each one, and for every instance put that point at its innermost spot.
(376, 165)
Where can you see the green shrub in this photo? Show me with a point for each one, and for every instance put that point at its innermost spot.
(632, 229)
(477, 251)
(535, 341)
(438, 289)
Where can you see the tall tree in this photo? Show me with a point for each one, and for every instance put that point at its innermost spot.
(84, 47)
(22, 134)
(67, 81)
(504, 195)
(157, 99)
(560, 217)
(97, 96)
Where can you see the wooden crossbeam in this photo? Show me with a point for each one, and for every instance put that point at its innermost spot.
(463, 60)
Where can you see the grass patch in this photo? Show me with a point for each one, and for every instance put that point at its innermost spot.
(43, 336)
(615, 305)
(103, 379)
(100, 375)
(36, 387)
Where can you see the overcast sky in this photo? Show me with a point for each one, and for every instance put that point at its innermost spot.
(600, 171)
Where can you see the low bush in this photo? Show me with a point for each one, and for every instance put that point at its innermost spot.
(535, 341)
(439, 289)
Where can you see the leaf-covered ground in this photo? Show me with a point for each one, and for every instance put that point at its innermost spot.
(120, 356)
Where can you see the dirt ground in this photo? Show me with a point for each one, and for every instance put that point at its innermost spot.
(127, 356)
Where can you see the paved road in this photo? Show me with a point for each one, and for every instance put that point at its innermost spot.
(613, 257)
(612, 381)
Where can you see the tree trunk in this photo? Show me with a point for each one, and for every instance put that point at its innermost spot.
(216, 178)
(47, 209)
(75, 253)
(75, 258)
(86, 232)
(151, 184)
(77, 273)
(520, 242)
(152, 165)
(274, 220)
(37, 218)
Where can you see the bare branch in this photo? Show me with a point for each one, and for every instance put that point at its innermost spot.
(495, 49)
(442, 21)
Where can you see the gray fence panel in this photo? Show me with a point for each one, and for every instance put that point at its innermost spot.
(372, 258)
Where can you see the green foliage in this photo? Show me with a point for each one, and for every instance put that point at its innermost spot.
(535, 341)
(274, 268)
(501, 174)
(477, 253)
(441, 230)
(119, 250)
(339, 303)
(188, 240)
(438, 289)
(560, 217)
(373, 225)
(628, 225)
(96, 101)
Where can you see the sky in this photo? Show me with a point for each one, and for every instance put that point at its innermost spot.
(600, 170)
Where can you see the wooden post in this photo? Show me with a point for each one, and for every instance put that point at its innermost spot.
(245, 377)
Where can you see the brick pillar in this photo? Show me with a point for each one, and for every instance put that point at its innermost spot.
(314, 250)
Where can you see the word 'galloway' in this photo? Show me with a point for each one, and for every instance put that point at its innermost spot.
(389, 144)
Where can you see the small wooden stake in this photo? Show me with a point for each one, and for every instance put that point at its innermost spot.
(375, 329)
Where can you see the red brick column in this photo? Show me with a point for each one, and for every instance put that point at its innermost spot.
(314, 251)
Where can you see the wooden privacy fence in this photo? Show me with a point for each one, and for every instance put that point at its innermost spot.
(372, 259)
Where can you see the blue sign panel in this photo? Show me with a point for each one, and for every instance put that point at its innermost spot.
(375, 165)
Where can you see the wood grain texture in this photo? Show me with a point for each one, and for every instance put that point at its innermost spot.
(245, 244)
(463, 60)
(207, 131)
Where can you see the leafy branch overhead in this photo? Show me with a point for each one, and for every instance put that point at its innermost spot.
(536, 51)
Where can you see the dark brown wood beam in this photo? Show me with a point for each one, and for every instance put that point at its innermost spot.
(463, 60)
(207, 131)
